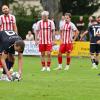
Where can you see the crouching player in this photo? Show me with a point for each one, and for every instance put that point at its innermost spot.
(9, 43)
(68, 30)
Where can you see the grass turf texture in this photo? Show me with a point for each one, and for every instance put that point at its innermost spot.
(79, 83)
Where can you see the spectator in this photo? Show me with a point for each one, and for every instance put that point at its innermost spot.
(80, 25)
(61, 21)
(29, 36)
(57, 36)
(34, 27)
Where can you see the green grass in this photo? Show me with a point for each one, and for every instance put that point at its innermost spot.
(79, 83)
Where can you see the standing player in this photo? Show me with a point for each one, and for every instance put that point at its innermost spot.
(68, 30)
(45, 29)
(94, 32)
(7, 21)
(9, 43)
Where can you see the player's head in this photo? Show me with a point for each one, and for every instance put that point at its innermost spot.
(45, 15)
(5, 9)
(67, 17)
(19, 46)
(98, 19)
(93, 21)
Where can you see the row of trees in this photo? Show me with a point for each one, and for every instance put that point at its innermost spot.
(76, 7)
(79, 7)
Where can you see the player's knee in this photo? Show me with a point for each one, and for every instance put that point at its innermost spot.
(49, 55)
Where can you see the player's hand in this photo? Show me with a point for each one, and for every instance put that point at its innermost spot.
(9, 76)
(98, 42)
(36, 43)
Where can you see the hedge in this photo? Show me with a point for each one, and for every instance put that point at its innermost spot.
(24, 24)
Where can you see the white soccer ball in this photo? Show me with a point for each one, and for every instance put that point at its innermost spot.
(15, 76)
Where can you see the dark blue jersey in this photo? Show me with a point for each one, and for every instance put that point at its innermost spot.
(7, 40)
(94, 30)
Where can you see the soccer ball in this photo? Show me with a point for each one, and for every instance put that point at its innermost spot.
(15, 76)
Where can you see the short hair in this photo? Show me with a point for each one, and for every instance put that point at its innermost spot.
(68, 14)
(5, 5)
(21, 44)
(45, 13)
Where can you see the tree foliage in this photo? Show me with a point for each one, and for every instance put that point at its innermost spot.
(79, 7)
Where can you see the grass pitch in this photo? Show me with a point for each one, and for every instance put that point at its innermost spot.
(79, 83)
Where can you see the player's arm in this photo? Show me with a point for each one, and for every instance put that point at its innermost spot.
(20, 63)
(98, 42)
(36, 37)
(82, 36)
(61, 35)
(15, 27)
(37, 33)
(53, 33)
(53, 37)
(76, 32)
(3, 60)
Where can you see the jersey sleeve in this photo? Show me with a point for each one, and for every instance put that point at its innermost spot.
(53, 25)
(38, 26)
(74, 28)
(14, 19)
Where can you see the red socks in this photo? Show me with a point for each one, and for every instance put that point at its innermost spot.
(43, 64)
(60, 59)
(68, 60)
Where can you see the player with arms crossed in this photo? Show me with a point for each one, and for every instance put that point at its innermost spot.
(45, 30)
(9, 43)
(69, 33)
(94, 32)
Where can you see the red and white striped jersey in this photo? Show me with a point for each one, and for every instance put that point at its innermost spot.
(67, 32)
(45, 29)
(6, 22)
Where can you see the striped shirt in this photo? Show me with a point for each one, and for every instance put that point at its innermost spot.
(45, 29)
(67, 32)
(6, 22)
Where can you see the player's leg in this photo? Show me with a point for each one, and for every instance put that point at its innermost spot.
(48, 60)
(43, 61)
(42, 50)
(97, 54)
(92, 54)
(48, 49)
(1, 68)
(69, 48)
(9, 62)
(68, 59)
(61, 51)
